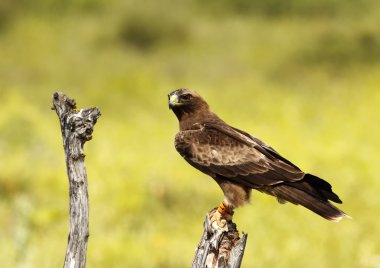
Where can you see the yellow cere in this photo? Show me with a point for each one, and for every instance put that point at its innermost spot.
(174, 100)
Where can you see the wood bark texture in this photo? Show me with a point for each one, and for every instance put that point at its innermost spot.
(219, 249)
(77, 127)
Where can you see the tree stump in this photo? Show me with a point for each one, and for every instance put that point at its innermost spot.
(77, 127)
(219, 249)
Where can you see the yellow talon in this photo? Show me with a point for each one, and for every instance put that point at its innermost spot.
(221, 216)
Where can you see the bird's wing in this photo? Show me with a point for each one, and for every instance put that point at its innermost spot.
(222, 151)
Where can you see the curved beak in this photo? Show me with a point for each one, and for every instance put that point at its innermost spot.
(173, 101)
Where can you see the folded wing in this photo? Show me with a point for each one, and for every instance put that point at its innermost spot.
(220, 150)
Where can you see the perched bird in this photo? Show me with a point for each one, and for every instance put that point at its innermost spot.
(239, 162)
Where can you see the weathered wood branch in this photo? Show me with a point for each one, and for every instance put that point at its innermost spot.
(219, 249)
(77, 127)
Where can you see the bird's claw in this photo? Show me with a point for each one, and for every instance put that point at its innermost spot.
(218, 222)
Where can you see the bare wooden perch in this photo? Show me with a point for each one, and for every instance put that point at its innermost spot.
(77, 127)
(219, 249)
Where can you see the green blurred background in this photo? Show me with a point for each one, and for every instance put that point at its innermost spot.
(302, 75)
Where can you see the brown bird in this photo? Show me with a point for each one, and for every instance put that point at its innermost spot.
(239, 162)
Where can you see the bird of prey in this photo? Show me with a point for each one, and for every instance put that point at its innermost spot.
(239, 162)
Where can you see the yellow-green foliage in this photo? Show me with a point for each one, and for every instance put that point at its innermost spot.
(302, 75)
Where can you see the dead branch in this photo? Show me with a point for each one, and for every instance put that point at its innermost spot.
(219, 249)
(77, 127)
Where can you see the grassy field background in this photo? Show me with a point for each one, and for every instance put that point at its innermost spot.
(304, 76)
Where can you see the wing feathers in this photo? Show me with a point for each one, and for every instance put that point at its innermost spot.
(323, 187)
(223, 151)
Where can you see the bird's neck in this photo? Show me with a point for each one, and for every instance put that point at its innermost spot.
(191, 120)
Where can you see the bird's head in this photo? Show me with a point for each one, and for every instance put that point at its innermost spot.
(186, 102)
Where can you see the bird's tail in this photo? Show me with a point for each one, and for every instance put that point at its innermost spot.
(313, 193)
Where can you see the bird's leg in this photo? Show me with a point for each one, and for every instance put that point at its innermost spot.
(221, 216)
(226, 211)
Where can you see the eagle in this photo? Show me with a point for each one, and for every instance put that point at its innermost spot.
(239, 162)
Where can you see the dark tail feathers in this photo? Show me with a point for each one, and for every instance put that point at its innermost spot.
(313, 193)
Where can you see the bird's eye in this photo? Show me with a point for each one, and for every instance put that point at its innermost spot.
(186, 97)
